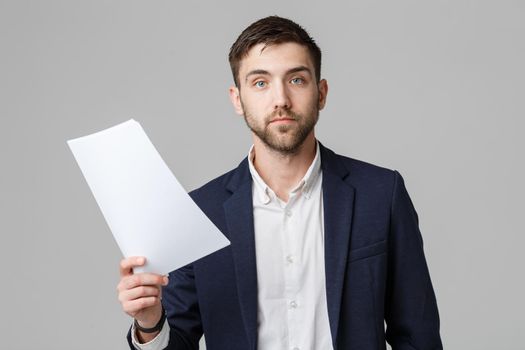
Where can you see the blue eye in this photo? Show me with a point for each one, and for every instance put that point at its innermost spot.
(297, 81)
(260, 84)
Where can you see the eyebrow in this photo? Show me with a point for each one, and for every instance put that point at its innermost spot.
(289, 71)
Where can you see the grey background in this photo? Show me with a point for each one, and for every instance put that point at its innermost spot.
(433, 89)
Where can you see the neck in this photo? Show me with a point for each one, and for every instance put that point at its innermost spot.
(282, 172)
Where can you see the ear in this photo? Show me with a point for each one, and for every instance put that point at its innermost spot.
(235, 98)
(323, 91)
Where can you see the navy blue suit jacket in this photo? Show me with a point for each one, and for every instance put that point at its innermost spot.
(374, 262)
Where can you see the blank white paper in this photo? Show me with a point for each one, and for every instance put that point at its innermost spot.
(148, 211)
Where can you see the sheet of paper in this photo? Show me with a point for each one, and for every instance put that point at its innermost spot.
(148, 211)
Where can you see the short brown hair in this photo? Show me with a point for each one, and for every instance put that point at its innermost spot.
(270, 31)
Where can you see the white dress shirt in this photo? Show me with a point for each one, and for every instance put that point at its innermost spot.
(292, 309)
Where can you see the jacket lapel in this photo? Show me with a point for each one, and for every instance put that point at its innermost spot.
(338, 203)
(238, 210)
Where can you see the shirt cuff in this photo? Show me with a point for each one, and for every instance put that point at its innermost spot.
(158, 343)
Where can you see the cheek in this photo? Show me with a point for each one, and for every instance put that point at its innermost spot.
(256, 104)
(306, 100)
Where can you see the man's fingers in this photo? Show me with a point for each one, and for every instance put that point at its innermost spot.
(127, 264)
(133, 306)
(139, 292)
(142, 279)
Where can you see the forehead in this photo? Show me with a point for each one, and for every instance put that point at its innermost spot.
(275, 58)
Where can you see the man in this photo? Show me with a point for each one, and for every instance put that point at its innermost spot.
(324, 248)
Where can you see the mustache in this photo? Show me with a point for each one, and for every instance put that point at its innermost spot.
(282, 113)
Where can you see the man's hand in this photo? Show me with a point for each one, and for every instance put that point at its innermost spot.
(140, 295)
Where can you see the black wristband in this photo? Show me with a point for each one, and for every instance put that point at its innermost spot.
(154, 329)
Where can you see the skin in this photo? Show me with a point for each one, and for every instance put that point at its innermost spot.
(140, 295)
(280, 100)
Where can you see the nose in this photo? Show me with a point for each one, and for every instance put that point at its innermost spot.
(281, 97)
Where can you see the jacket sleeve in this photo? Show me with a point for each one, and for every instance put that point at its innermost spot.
(180, 301)
(411, 312)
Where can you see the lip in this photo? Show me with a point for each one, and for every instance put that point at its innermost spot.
(282, 120)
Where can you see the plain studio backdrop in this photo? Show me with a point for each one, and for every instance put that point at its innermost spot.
(434, 89)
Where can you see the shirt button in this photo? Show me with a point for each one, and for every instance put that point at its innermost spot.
(289, 258)
(293, 304)
(288, 213)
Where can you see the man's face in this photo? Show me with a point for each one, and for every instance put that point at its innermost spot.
(278, 95)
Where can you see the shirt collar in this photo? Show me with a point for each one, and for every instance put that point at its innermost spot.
(304, 186)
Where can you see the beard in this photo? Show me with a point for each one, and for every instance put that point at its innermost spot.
(285, 139)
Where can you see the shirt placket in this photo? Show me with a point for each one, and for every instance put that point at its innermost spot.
(291, 261)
